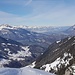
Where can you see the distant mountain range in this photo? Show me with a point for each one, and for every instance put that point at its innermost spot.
(45, 29)
(28, 44)
(34, 35)
(24, 36)
(29, 36)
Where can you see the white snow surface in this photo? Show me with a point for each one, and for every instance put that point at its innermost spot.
(57, 41)
(58, 62)
(32, 65)
(6, 26)
(22, 71)
(70, 70)
(19, 56)
(4, 61)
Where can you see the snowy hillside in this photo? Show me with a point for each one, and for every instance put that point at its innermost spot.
(59, 58)
(22, 71)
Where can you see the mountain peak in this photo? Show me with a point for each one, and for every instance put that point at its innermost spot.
(7, 26)
(73, 26)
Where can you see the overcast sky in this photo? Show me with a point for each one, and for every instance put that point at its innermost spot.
(37, 12)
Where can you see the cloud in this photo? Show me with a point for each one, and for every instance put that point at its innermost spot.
(42, 13)
(28, 2)
(17, 2)
(8, 17)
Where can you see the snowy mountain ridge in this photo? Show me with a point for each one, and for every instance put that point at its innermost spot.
(7, 26)
(31, 27)
(59, 58)
(22, 26)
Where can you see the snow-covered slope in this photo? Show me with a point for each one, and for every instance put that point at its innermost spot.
(59, 58)
(22, 71)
